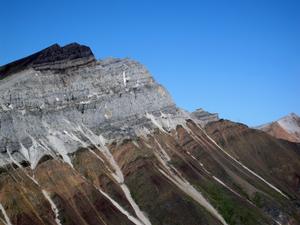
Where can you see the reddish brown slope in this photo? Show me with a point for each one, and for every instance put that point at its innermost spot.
(165, 173)
(275, 159)
(286, 128)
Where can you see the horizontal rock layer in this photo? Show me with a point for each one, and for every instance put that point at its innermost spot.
(204, 117)
(39, 108)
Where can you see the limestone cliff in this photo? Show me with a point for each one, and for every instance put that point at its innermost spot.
(61, 90)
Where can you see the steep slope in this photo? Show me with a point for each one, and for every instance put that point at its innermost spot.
(275, 160)
(100, 142)
(287, 128)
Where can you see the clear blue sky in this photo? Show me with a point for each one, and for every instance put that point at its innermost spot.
(238, 58)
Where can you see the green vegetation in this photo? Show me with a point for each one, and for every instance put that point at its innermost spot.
(234, 212)
(258, 200)
(163, 201)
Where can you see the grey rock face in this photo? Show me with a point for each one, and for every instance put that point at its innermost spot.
(204, 117)
(61, 96)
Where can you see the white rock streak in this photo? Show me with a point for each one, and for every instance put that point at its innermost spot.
(59, 146)
(121, 209)
(35, 152)
(226, 186)
(53, 207)
(7, 220)
(277, 222)
(124, 79)
(201, 164)
(100, 143)
(21, 168)
(116, 204)
(155, 122)
(217, 179)
(24, 151)
(167, 122)
(182, 183)
(187, 188)
(136, 208)
(246, 168)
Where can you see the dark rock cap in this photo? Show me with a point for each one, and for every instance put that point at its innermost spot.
(49, 56)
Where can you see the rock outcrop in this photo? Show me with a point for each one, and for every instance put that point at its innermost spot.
(204, 117)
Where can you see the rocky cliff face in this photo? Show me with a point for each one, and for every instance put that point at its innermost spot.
(62, 90)
(87, 142)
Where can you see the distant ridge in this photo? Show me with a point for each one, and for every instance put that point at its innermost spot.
(287, 128)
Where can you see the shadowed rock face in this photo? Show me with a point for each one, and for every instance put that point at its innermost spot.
(53, 57)
(102, 143)
(55, 53)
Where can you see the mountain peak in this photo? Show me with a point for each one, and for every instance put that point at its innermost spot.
(52, 57)
(287, 127)
(292, 116)
(68, 52)
(291, 123)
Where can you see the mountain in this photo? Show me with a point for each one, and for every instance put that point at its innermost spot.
(86, 141)
(287, 128)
